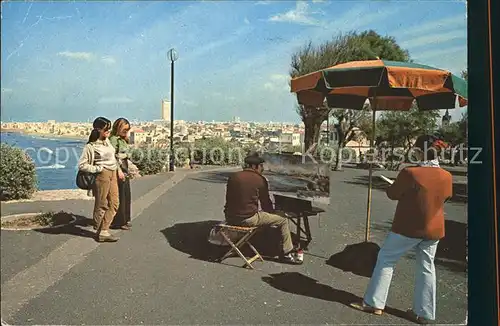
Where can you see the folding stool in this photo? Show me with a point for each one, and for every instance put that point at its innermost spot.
(247, 233)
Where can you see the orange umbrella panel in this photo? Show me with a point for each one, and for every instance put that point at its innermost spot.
(348, 85)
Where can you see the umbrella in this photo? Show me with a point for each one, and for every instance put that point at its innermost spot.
(388, 85)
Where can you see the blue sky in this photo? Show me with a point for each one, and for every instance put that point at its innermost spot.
(76, 60)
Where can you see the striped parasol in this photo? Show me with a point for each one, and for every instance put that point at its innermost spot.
(394, 85)
(388, 85)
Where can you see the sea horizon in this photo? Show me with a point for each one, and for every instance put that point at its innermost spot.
(55, 157)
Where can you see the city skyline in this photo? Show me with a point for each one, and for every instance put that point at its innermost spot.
(84, 59)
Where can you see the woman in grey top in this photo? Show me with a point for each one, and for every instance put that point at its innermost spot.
(98, 157)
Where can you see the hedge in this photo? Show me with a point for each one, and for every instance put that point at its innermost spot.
(210, 151)
(17, 173)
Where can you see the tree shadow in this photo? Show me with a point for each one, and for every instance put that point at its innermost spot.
(459, 188)
(451, 250)
(359, 258)
(213, 177)
(277, 182)
(77, 228)
(297, 283)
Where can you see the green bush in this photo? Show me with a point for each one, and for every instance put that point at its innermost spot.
(149, 160)
(217, 151)
(17, 172)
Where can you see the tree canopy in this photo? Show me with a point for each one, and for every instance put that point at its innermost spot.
(367, 45)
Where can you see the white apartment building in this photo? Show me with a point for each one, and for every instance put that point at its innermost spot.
(165, 110)
(291, 138)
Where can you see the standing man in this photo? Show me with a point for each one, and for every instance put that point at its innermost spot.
(421, 192)
(245, 189)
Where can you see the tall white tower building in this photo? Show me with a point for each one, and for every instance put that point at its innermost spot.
(165, 110)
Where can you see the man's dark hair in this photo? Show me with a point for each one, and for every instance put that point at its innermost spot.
(253, 159)
(429, 145)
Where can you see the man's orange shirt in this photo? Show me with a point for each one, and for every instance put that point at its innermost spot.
(421, 193)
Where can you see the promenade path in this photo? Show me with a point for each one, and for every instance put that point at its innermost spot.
(156, 273)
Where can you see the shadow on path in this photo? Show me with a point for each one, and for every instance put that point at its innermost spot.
(213, 177)
(359, 259)
(297, 283)
(459, 188)
(451, 251)
(77, 228)
(192, 239)
(277, 182)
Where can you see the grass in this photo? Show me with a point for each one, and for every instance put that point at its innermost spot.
(49, 219)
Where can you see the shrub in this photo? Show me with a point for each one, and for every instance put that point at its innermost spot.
(17, 173)
(149, 160)
(218, 151)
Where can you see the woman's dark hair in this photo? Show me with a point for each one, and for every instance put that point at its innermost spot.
(118, 125)
(429, 145)
(100, 123)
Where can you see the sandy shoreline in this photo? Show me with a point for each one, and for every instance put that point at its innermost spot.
(46, 135)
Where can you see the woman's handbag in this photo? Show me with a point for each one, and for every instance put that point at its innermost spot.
(85, 180)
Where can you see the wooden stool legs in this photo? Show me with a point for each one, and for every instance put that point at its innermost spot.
(248, 233)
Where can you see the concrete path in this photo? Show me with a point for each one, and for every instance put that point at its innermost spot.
(158, 273)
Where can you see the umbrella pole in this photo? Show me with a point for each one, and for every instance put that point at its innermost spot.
(370, 174)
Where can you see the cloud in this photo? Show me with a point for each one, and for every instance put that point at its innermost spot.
(115, 100)
(278, 82)
(7, 90)
(299, 15)
(263, 3)
(442, 24)
(246, 21)
(210, 46)
(440, 52)
(434, 38)
(77, 55)
(107, 59)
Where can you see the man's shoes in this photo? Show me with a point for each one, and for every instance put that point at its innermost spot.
(295, 257)
(417, 319)
(366, 308)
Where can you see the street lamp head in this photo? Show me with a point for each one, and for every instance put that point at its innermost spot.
(172, 55)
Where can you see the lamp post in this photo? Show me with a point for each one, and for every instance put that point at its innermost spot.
(172, 56)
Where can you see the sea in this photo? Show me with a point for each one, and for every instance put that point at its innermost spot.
(55, 159)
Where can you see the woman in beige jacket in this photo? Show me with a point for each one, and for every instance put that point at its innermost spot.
(98, 157)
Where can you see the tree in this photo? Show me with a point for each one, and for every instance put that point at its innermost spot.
(400, 129)
(341, 48)
(371, 45)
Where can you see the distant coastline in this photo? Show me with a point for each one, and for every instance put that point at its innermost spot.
(45, 135)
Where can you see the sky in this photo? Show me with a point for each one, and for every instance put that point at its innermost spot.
(73, 61)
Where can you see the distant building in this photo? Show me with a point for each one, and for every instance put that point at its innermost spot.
(137, 136)
(292, 139)
(445, 122)
(165, 110)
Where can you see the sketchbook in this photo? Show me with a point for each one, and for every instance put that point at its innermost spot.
(386, 179)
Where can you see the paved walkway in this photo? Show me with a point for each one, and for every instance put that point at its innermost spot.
(158, 273)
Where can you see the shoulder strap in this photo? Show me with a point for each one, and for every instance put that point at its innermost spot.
(91, 150)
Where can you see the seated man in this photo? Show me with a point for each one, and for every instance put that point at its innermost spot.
(243, 192)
